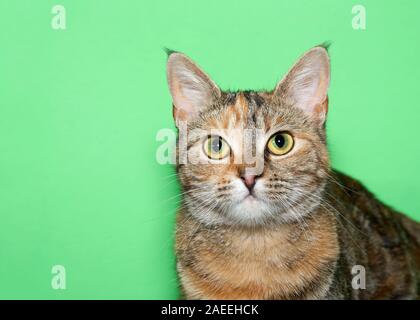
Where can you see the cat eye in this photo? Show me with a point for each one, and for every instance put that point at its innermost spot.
(280, 143)
(215, 147)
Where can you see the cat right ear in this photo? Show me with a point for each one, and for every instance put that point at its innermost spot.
(191, 88)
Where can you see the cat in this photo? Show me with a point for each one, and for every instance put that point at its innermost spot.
(292, 228)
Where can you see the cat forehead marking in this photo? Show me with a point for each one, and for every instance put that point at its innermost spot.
(237, 113)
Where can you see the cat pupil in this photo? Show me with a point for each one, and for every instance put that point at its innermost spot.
(279, 140)
(216, 144)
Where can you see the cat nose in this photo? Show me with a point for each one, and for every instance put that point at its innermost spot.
(249, 181)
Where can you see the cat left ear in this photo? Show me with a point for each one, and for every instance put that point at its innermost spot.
(306, 84)
(191, 88)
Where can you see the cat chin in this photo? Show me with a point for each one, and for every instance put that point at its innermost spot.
(250, 211)
(255, 211)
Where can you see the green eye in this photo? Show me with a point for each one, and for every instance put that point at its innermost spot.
(280, 143)
(216, 148)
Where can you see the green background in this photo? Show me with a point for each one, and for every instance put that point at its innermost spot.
(80, 109)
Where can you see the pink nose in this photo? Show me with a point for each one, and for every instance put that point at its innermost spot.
(249, 181)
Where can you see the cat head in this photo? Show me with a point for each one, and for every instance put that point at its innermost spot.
(251, 158)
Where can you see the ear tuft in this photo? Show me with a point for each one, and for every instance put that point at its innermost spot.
(326, 45)
(191, 88)
(169, 51)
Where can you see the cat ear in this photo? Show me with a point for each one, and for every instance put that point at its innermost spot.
(191, 88)
(306, 84)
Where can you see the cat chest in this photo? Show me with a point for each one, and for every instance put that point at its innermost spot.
(263, 267)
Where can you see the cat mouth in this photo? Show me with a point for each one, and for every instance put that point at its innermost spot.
(250, 198)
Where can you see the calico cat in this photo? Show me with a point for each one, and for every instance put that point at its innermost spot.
(284, 225)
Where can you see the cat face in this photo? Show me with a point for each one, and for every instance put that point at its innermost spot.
(252, 158)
